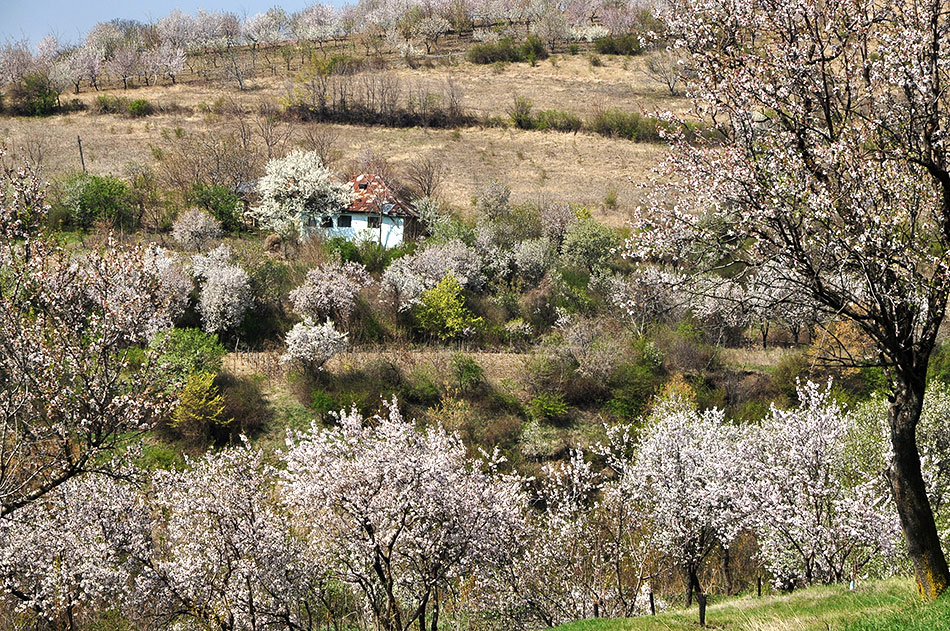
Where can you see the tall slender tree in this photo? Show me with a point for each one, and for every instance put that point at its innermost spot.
(833, 165)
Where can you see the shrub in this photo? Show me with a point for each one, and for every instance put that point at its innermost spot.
(790, 369)
(34, 96)
(493, 52)
(422, 388)
(442, 312)
(573, 49)
(616, 123)
(557, 121)
(467, 372)
(270, 281)
(323, 402)
(195, 229)
(618, 45)
(589, 245)
(110, 104)
(533, 49)
(505, 50)
(520, 113)
(140, 107)
(633, 383)
(546, 407)
(220, 202)
(200, 408)
(189, 351)
(244, 402)
(595, 61)
(88, 198)
(521, 116)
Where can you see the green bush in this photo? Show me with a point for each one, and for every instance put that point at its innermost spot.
(520, 113)
(521, 116)
(790, 369)
(370, 254)
(633, 383)
(110, 104)
(589, 245)
(442, 312)
(422, 388)
(533, 49)
(221, 203)
(573, 49)
(35, 96)
(187, 351)
(323, 402)
(505, 50)
(493, 52)
(88, 198)
(620, 45)
(616, 123)
(467, 372)
(140, 107)
(557, 121)
(547, 407)
(270, 282)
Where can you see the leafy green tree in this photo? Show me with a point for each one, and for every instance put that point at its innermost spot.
(200, 408)
(442, 311)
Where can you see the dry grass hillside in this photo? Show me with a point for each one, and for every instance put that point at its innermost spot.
(580, 168)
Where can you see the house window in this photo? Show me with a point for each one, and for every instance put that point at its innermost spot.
(373, 221)
(345, 221)
(326, 222)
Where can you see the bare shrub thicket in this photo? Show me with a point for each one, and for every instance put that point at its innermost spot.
(224, 155)
(378, 98)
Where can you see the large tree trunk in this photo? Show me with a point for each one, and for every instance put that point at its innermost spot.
(907, 486)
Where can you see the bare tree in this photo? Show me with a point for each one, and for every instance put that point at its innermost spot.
(322, 139)
(273, 131)
(425, 174)
(666, 66)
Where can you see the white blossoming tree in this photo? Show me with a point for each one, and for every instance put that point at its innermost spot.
(311, 345)
(70, 388)
(684, 476)
(194, 229)
(227, 557)
(297, 191)
(330, 290)
(402, 514)
(224, 292)
(832, 164)
(817, 517)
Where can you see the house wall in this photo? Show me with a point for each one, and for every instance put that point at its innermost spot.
(392, 229)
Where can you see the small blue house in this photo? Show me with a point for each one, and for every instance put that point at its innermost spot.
(376, 214)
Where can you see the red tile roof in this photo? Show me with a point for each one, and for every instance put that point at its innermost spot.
(373, 192)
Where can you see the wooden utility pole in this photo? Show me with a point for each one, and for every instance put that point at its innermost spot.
(82, 160)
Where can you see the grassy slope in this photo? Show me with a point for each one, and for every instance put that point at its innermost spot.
(885, 606)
